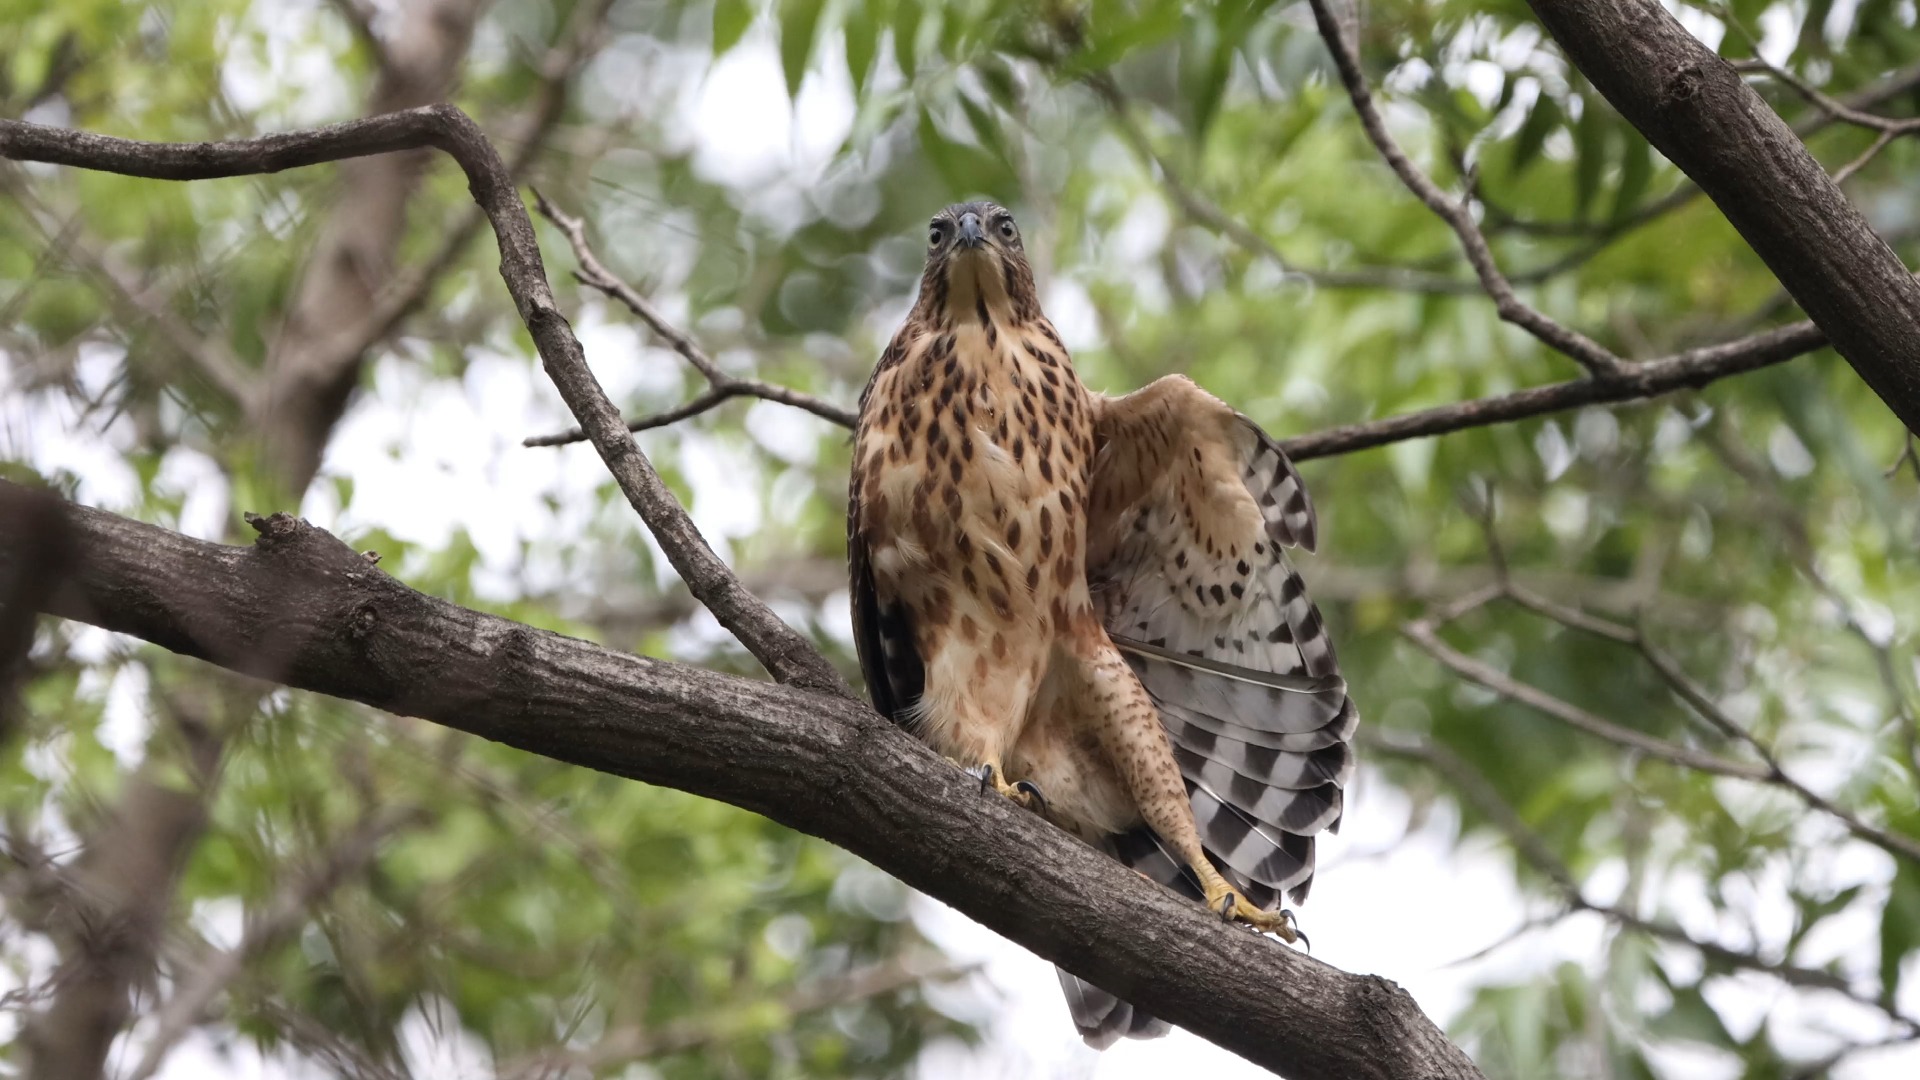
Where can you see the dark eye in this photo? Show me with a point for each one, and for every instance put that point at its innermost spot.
(1007, 230)
(935, 234)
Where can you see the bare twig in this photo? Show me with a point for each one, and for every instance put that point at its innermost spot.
(1421, 632)
(1474, 787)
(1208, 213)
(1583, 350)
(209, 354)
(1691, 369)
(638, 1044)
(1770, 771)
(284, 914)
(721, 387)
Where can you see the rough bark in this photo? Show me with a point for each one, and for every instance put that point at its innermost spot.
(1695, 108)
(302, 609)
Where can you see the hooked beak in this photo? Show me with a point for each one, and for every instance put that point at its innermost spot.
(971, 235)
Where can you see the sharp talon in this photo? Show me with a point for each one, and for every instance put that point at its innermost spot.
(986, 777)
(1226, 908)
(1032, 791)
(1304, 943)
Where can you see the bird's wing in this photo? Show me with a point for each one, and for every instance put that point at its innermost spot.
(882, 624)
(1191, 511)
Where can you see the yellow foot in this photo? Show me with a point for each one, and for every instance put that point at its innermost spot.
(1227, 901)
(1023, 792)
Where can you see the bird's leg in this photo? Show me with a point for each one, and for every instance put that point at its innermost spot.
(1230, 904)
(1136, 742)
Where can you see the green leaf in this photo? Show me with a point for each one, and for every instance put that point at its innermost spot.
(1636, 171)
(1589, 155)
(1691, 1019)
(799, 22)
(986, 127)
(1899, 925)
(1532, 137)
(862, 33)
(730, 21)
(906, 37)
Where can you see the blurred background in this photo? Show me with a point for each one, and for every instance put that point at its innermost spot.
(300, 887)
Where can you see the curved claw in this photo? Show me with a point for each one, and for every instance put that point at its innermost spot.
(1032, 791)
(984, 771)
(1292, 931)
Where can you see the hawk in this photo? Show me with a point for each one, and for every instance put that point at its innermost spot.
(1086, 600)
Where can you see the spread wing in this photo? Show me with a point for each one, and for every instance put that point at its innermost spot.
(1191, 511)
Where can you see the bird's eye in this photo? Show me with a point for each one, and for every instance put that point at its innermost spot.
(1007, 230)
(934, 236)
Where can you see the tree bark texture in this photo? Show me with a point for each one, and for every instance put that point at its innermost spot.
(1694, 108)
(300, 608)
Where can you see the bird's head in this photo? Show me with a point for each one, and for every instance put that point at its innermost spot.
(975, 265)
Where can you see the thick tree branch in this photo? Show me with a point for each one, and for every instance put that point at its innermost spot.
(303, 609)
(785, 653)
(1694, 108)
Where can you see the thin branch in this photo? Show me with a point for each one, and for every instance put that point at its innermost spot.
(721, 387)
(1833, 107)
(208, 354)
(1683, 685)
(1421, 633)
(638, 1044)
(1690, 369)
(785, 653)
(1696, 696)
(1484, 797)
(1583, 350)
(284, 915)
(1206, 212)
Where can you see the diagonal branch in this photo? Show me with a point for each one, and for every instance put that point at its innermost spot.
(638, 1044)
(784, 652)
(1585, 351)
(1208, 213)
(306, 610)
(721, 387)
(1421, 633)
(1473, 786)
(285, 913)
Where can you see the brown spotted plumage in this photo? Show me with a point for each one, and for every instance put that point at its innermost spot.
(1087, 600)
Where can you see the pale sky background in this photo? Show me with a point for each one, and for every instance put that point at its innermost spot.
(428, 457)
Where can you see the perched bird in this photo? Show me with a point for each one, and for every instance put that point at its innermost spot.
(1086, 600)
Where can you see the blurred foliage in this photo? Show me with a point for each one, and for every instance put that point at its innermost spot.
(1749, 528)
